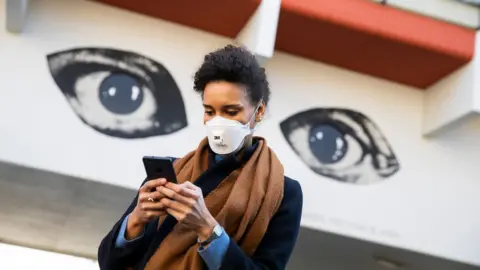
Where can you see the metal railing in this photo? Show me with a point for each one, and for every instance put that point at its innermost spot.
(465, 13)
(475, 3)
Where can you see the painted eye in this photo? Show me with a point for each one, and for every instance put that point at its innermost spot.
(340, 144)
(118, 93)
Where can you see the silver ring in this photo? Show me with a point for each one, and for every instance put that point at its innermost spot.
(150, 199)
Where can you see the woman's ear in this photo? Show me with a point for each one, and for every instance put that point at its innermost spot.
(260, 112)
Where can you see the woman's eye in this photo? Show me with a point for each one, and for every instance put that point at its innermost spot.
(341, 144)
(232, 113)
(118, 93)
(209, 113)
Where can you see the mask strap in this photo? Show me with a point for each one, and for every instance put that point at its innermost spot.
(254, 114)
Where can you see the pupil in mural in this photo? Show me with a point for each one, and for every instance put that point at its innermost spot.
(121, 94)
(327, 144)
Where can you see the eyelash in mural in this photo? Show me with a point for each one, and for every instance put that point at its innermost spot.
(341, 144)
(118, 93)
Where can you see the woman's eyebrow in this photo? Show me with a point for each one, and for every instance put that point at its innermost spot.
(227, 106)
(233, 106)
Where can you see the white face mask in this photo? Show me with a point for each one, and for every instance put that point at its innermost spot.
(226, 136)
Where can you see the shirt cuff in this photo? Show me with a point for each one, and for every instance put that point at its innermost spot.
(121, 242)
(213, 254)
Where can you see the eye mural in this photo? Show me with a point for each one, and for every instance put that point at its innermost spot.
(118, 93)
(340, 144)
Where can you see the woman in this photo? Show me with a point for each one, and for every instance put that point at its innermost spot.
(233, 208)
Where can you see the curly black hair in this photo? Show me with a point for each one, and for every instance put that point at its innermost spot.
(235, 65)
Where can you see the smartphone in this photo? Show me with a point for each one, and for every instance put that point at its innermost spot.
(159, 167)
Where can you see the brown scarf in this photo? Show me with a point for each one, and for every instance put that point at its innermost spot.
(243, 204)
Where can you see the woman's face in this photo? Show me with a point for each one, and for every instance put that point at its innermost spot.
(230, 101)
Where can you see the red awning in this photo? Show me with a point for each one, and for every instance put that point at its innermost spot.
(374, 39)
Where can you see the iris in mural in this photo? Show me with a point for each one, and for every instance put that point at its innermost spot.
(119, 93)
(340, 144)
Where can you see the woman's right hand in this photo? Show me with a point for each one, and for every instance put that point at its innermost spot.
(148, 208)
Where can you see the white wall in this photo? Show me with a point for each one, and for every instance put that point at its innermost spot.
(430, 205)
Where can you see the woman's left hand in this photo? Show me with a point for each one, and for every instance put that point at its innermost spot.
(185, 203)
